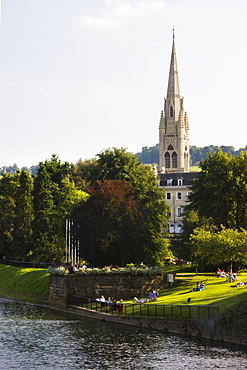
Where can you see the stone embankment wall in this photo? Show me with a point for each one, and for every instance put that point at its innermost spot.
(93, 286)
(126, 287)
(220, 331)
(190, 328)
(233, 330)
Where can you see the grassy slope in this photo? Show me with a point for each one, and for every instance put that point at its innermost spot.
(32, 284)
(24, 283)
(195, 168)
(217, 291)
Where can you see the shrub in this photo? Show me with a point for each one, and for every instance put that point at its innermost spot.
(108, 270)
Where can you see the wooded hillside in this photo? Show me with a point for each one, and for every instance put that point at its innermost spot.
(151, 154)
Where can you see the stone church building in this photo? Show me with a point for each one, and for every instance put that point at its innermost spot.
(174, 160)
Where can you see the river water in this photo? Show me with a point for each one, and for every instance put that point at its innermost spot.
(38, 338)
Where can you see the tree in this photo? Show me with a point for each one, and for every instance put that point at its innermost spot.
(16, 214)
(82, 172)
(239, 184)
(191, 220)
(220, 190)
(111, 227)
(224, 246)
(22, 223)
(118, 165)
(54, 197)
(7, 214)
(45, 241)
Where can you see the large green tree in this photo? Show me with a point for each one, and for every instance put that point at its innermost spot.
(225, 246)
(54, 197)
(112, 227)
(82, 172)
(220, 190)
(16, 214)
(22, 224)
(146, 229)
(7, 213)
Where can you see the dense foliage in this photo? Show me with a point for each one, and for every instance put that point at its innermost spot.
(215, 219)
(224, 246)
(33, 210)
(118, 210)
(220, 190)
(123, 218)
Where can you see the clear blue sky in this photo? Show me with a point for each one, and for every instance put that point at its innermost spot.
(80, 76)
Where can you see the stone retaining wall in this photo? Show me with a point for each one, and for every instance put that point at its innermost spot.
(221, 331)
(193, 328)
(93, 286)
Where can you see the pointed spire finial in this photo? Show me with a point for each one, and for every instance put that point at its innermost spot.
(173, 33)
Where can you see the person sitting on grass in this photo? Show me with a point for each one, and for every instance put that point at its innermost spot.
(113, 305)
(230, 278)
(221, 273)
(152, 296)
(218, 272)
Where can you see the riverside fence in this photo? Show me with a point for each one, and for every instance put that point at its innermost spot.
(188, 312)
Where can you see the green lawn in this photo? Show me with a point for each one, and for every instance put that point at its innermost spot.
(32, 284)
(195, 168)
(217, 292)
(24, 283)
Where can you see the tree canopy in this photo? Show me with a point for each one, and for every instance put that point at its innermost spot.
(220, 190)
(121, 212)
(224, 246)
(215, 219)
(55, 195)
(127, 212)
(16, 214)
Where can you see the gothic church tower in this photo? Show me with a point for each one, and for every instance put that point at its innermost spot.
(174, 126)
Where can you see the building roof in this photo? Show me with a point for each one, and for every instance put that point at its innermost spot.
(187, 177)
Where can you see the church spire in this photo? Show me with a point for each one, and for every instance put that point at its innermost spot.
(174, 127)
(173, 89)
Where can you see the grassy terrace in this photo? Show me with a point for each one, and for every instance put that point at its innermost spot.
(230, 300)
(32, 285)
(24, 283)
(218, 292)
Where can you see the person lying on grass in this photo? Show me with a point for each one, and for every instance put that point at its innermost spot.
(199, 286)
(136, 300)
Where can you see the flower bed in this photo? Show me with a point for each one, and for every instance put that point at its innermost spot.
(108, 270)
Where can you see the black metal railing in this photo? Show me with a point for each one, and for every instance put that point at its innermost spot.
(189, 312)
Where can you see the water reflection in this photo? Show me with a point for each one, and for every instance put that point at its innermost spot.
(36, 338)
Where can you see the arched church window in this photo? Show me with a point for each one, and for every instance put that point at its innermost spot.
(174, 160)
(171, 111)
(170, 147)
(167, 160)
